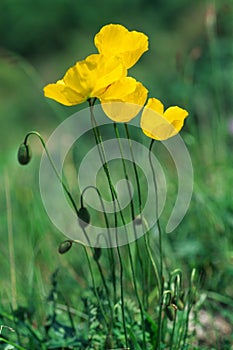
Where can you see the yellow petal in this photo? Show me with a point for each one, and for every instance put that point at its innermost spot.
(119, 89)
(124, 99)
(138, 96)
(108, 71)
(162, 126)
(116, 40)
(87, 78)
(94, 74)
(152, 124)
(60, 93)
(155, 104)
(176, 115)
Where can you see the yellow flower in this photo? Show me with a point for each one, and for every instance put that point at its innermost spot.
(116, 40)
(123, 99)
(160, 125)
(86, 79)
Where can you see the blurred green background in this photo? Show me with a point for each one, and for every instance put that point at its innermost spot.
(190, 63)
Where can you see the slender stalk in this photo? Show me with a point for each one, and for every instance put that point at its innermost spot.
(137, 295)
(54, 167)
(89, 243)
(156, 271)
(114, 197)
(176, 275)
(131, 199)
(158, 341)
(191, 300)
(101, 151)
(144, 224)
(173, 331)
(95, 289)
(110, 251)
(128, 246)
(108, 325)
(16, 346)
(11, 244)
(103, 279)
(76, 211)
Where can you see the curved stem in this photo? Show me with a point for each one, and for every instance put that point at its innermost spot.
(53, 166)
(76, 211)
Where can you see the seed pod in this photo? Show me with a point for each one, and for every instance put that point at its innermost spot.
(24, 154)
(84, 217)
(97, 254)
(65, 246)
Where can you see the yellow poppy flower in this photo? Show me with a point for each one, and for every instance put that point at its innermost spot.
(160, 125)
(86, 79)
(123, 100)
(116, 40)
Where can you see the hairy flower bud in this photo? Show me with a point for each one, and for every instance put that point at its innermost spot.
(24, 154)
(84, 217)
(65, 246)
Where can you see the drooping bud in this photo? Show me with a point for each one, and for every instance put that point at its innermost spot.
(24, 154)
(179, 303)
(65, 246)
(171, 311)
(84, 217)
(97, 254)
(138, 220)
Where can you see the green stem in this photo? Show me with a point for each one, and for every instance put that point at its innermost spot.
(161, 278)
(128, 246)
(145, 228)
(53, 166)
(177, 276)
(110, 251)
(95, 289)
(76, 211)
(12, 343)
(173, 331)
(191, 301)
(156, 272)
(101, 151)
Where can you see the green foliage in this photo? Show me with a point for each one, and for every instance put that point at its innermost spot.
(63, 329)
(42, 26)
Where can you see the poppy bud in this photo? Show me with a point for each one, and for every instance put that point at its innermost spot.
(178, 302)
(138, 220)
(24, 154)
(171, 312)
(97, 254)
(65, 246)
(84, 217)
